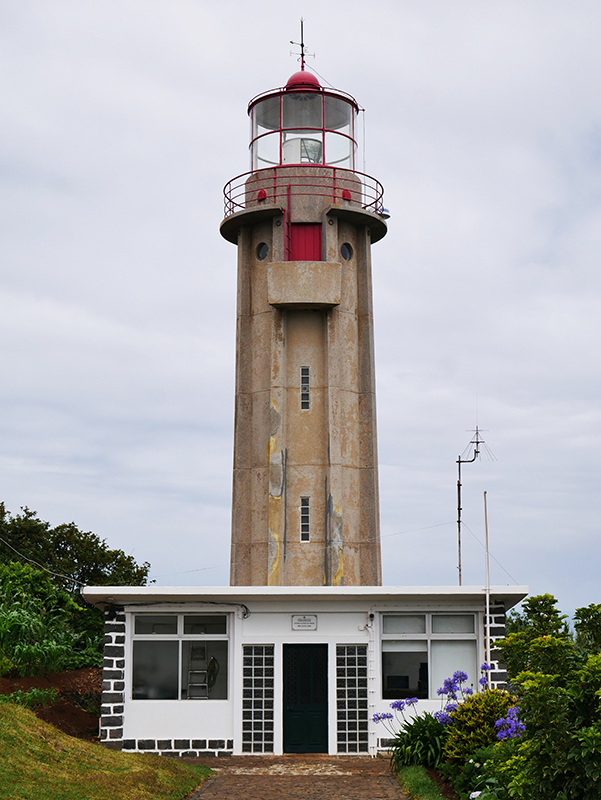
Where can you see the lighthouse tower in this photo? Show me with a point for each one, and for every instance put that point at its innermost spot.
(305, 491)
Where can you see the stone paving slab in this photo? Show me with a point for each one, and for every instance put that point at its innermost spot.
(302, 777)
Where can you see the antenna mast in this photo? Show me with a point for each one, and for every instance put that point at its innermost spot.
(476, 441)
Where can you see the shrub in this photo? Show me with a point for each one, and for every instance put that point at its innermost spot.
(587, 622)
(419, 742)
(559, 758)
(538, 640)
(38, 625)
(557, 752)
(474, 775)
(472, 724)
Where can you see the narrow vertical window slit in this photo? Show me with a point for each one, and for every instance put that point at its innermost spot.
(305, 531)
(305, 390)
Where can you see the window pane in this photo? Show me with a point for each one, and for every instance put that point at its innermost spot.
(415, 623)
(339, 150)
(390, 646)
(448, 657)
(266, 115)
(204, 670)
(404, 672)
(338, 114)
(452, 623)
(155, 670)
(301, 148)
(302, 110)
(266, 151)
(151, 623)
(202, 623)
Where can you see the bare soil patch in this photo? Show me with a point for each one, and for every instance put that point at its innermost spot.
(77, 705)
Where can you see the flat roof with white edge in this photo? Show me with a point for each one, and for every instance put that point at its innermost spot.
(431, 595)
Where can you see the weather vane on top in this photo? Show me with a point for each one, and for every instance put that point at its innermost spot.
(303, 49)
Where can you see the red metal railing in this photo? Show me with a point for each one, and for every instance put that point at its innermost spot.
(275, 185)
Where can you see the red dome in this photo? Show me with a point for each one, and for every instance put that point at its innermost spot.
(303, 80)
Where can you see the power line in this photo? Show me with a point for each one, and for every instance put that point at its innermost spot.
(414, 530)
(186, 572)
(41, 566)
(491, 555)
(362, 541)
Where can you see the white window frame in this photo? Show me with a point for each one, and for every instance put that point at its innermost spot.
(429, 637)
(180, 637)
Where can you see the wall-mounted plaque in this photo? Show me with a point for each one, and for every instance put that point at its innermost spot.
(304, 622)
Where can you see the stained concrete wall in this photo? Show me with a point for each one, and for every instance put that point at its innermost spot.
(289, 315)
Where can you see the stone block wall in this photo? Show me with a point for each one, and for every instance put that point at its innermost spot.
(498, 674)
(113, 679)
(180, 748)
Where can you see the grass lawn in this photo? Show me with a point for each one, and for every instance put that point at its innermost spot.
(39, 762)
(417, 785)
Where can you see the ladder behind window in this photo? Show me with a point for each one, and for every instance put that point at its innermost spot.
(198, 687)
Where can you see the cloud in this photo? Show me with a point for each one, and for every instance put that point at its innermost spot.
(121, 123)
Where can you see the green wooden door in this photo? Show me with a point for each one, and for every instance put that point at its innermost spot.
(305, 698)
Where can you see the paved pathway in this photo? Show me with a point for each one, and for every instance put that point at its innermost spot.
(299, 777)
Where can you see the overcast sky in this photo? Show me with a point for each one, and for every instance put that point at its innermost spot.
(120, 122)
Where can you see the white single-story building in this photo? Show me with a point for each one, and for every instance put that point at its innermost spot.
(235, 670)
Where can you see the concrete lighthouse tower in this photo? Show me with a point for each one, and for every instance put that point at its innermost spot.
(305, 496)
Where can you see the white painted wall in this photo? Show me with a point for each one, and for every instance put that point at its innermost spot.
(346, 619)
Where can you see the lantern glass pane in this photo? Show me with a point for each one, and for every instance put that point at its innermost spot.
(339, 114)
(266, 151)
(302, 110)
(266, 115)
(339, 151)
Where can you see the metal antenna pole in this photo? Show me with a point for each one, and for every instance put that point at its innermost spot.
(476, 442)
(459, 517)
(487, 591)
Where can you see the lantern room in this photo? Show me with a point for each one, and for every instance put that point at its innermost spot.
(303, 123)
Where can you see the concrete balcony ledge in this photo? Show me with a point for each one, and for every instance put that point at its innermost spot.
(248, 216)
(359, 216)
(304, 284)
(255, 214)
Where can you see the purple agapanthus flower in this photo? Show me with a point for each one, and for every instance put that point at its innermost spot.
(459, 676)
(381, 717)
(442, 717)
(411, 701)
(511, 726)
(485, 667)
(450, 688)
(483, 681)
(398, 705)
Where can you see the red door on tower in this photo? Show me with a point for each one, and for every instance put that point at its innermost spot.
(305, 241)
